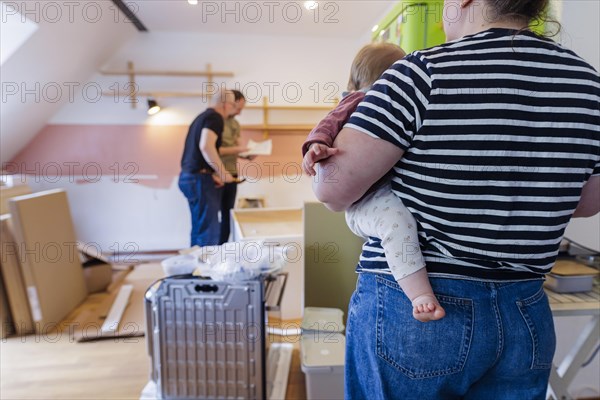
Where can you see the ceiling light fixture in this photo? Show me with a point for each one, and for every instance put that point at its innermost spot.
(311, 5)
(153, 107)
(193, 2)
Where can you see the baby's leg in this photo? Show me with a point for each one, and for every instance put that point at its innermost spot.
(397, 228)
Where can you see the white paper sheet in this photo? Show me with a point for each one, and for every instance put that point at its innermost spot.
(264, 148)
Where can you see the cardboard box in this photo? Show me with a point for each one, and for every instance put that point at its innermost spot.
(570, 277)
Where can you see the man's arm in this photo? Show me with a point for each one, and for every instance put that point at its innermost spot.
(360, 162)
(232, 150)
(208, 148)
(589, 204)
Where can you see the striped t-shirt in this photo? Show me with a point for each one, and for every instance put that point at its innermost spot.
(501, 130)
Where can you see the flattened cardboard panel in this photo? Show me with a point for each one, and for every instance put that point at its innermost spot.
(7, 192)
(6, 327)
(88, 322)
(47, 247)
(13, 279)
(97, 277)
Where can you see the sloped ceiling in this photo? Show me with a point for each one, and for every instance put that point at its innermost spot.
(343, 19)
(53, 67)
(71, 43)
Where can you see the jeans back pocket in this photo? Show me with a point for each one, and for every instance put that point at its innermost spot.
(536, 312)
(417, 349)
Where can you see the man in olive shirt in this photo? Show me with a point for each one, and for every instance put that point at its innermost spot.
(229, 152)
(203, 174)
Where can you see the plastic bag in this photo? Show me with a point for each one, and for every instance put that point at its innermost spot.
(180, 265)
(235, 262)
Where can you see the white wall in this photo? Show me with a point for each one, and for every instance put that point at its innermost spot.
(131, 217)
(72, 40)
(288, 70)
(159, 218)
(107, 213)
(580, 32)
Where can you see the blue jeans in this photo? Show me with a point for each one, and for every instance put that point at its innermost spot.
(204, 199)
(227, 203)
(496, 341)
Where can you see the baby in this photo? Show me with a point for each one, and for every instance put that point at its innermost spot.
(379, 213)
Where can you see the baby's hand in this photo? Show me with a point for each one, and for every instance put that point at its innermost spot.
(316, 153)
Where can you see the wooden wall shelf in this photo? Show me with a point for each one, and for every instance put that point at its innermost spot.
(279, 127)
(132, 93)
(266, 108)
(208, 73)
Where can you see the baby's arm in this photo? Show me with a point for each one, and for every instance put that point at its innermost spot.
(326, 131)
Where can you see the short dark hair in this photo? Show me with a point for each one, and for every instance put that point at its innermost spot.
(237, 95)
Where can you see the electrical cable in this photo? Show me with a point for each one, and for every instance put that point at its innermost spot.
(589, 360)
(571, 241)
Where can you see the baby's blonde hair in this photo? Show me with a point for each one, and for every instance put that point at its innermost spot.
(372, 61)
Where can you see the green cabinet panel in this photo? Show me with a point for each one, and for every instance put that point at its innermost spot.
(331, 255)
(413, 25)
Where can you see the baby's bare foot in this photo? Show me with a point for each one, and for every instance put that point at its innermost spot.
(427, 308)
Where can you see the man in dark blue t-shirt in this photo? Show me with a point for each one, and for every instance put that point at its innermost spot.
(202, 172)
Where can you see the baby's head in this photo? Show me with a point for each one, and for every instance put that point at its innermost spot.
(372, 61)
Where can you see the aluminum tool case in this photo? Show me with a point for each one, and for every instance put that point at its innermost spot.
(206, 339)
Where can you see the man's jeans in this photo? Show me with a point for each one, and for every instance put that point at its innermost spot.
(227, 203)
(496, 341)
(204, 199)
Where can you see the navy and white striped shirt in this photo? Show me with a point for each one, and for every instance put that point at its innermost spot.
(501, 131)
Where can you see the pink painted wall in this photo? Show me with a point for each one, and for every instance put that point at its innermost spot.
(130, 152)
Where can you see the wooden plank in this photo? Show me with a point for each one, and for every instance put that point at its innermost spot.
(572, 298)
(90, 319)
(111, 324)
(47, 247)
(169, 73)
(156, 94)
(6, 323)
(585, 297)
(278, 369)
(552, 298)
(303, 128)
(12, 275)
(264, 222)
(8, 192)
(572, 268)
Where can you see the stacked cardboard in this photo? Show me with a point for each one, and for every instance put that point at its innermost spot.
(45, 273)
(50, 263)
(15, 315)
(11, 274)
(6, 327)
(8, 192)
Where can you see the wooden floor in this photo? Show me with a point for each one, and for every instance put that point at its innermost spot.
(55, 366)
